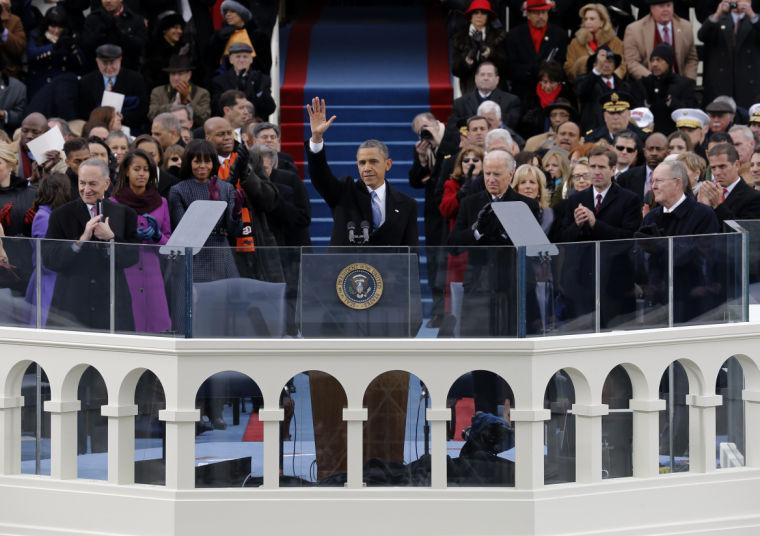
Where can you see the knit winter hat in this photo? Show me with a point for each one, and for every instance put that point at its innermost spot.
(664, 51)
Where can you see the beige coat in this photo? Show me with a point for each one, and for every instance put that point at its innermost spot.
(638, 44)
(578, 52)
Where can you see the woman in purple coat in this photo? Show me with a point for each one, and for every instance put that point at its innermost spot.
(53, 191)
(136, 188)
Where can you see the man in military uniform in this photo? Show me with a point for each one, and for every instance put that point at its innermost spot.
(617, 118)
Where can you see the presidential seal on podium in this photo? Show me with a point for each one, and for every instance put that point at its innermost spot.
(359, 286)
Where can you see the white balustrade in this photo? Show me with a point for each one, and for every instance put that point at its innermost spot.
(714, 501)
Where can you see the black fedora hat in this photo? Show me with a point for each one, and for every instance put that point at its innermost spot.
(178, 64)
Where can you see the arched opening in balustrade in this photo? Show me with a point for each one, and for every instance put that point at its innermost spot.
(396, 432)
(674, 421)
(481, 439)
(35, 422)
(313, 434)
(617, 426)
(730, 425)
(92, 426)
(559, 431)
(229, 440)
(150, 432)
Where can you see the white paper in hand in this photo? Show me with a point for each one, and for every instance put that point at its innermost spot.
(115, 100)
(52, 140)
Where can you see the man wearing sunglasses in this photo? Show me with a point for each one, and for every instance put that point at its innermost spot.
(639, 178)
(626, 147)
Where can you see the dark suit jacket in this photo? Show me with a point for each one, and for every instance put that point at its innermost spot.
(696, 260)
(634, 180)
(129, 83)
(618, 218)
(743, 203)
(256, 86)
(349, 201)
(82, 295)
(291, 218)
(285, 162)
(489, 302)
(523, 60)
(165, 182)
(467, 105)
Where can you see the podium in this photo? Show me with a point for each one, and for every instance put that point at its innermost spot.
(366, 293)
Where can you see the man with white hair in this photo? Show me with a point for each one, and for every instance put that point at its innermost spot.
(500, 138)
(678, 214)
(492, 112)
(81, 298)
(744, 142)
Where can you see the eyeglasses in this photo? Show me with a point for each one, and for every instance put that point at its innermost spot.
(626, 149)
(580, 176)
(469, 160)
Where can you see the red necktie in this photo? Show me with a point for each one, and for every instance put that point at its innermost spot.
(609, 83)
(725, 193)
(598, 203)
(666, 35)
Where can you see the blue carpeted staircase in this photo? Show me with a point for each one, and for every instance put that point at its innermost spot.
(370, 65)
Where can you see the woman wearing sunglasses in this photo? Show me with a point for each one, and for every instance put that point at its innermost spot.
(466, 179)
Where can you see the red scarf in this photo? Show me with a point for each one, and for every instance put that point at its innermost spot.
(547, 98)
(593, 45)
(537, 35)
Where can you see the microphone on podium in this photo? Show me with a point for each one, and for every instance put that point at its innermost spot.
(365, 230)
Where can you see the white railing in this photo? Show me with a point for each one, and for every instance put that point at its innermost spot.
(703, 499)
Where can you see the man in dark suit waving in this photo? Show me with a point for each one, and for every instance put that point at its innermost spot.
(605, 211)
(390, 216)
(83, 263)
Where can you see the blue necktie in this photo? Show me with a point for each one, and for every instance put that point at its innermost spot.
(377, 215)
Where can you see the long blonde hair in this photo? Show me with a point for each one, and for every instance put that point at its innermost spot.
(605, 33)
(526, 171)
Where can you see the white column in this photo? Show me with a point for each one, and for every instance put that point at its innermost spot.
(121, 443)
(63, 438)
(10, 435)
(529, 447)
(702, 450)
(271, 419)
(438, 419)
(588, 441)
(354, 438)
(180, 447)
(751, 429)
(646, 437)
